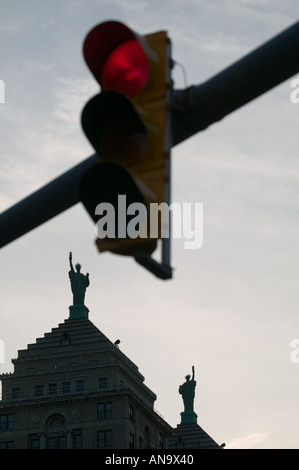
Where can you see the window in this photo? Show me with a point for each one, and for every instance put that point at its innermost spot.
(16, 393)
(51, 441)
(102, 383)
(34, 443)
(6, 422)
(104, 410)
(39, 390)
(131, 413)
(7, 445)
(105, 439)
(66, 387)
(55, 420)
(141, 443)
(131, 441)
(80, 386)
(77, 439)
(56, 442)
(52, 389)
(61, 441)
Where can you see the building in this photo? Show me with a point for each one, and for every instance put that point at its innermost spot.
(192, 436)
(75, 389)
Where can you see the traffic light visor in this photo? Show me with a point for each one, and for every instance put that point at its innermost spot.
(114, 46)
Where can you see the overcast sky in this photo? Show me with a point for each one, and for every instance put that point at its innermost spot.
(232, 307)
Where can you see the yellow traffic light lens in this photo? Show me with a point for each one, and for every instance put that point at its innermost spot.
(126, 69)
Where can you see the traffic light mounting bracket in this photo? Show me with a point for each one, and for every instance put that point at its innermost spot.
(163, 270)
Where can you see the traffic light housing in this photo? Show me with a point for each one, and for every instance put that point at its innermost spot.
(128, 125)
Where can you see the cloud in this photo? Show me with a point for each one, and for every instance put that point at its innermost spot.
(70, 96)
(247, 442)
(42, 141)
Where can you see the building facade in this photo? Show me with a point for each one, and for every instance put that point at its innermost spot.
(75, 389)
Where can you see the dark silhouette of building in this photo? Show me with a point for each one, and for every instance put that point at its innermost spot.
(75, 389)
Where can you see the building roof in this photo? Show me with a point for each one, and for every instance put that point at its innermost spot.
(191, 436)
(81, 342)
(73, 337)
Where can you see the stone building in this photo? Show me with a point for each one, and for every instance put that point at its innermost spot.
(75, 389)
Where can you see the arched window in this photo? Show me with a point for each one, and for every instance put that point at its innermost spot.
(55, 420)
(56, 432)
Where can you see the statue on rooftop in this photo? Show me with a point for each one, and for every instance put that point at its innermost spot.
(79, 283)
(187, 390)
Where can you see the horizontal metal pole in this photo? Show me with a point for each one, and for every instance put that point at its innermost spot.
(194, 109)
(197, 107)
(44, 204)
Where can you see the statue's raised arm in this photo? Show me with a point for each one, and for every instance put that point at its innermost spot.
(71, 264)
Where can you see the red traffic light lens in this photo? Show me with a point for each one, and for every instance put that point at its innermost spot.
(126, 69)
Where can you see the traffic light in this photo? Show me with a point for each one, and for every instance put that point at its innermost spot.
(128, 125)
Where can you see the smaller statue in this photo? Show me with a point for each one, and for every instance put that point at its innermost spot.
(79, 283)
(187, 390)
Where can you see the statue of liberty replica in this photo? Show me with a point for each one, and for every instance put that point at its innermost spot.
(79, 284)
(187, 390)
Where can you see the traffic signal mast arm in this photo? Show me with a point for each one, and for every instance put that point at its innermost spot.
(197, 107)
(47, 202)
(193, 110)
